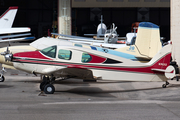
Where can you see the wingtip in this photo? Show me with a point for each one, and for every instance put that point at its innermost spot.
(13, 7)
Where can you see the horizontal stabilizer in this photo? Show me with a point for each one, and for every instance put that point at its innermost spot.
(11, 36)
(18, 39)
(158, 70)
(169, 71)
(14, 30)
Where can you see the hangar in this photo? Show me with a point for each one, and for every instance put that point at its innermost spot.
(78, 17)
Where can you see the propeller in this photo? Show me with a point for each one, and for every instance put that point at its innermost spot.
(7, 55)
(113, 30)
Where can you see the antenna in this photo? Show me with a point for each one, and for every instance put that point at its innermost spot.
(101, 22)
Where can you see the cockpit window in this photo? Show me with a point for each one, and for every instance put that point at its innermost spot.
(64, 54)
(86, 58)
(50, 51)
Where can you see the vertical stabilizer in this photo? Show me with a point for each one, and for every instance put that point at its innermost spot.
(148, 39)
(162, 59)
(7, 18)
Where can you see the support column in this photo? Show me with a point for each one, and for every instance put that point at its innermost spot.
(64, 17)
(175, 30)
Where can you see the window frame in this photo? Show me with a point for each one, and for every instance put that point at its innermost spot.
(46, 53)
(89, 59)
(64, 58)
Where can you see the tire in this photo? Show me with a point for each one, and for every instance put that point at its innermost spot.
(2, 79)
(177, 78)
(164, 86)
(49, 89)
(42, 85)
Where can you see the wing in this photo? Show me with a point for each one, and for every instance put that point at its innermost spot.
(72, 36)
(76, 38)
(70, 71)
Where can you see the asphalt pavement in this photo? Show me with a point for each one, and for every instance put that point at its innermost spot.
(20, 99)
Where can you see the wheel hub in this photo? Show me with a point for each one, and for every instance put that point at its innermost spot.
(49, 89)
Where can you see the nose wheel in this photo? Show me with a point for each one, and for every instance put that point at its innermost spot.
(2, 78)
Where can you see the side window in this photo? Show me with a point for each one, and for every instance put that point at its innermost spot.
(78, 45)
(86, 58)
(64, 54)
(50, 51)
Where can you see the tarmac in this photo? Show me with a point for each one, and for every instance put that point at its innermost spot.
(21, 98)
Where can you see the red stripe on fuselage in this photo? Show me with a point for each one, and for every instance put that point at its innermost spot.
(117, 68)
(97, 59)
(160, 64)
(33, 55)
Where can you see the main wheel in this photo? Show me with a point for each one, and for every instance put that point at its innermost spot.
(49, 89)
(2, 79)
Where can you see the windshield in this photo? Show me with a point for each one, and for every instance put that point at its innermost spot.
(50, 51)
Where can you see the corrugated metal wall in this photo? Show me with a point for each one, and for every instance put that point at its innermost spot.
(120, 3)
(175, 30)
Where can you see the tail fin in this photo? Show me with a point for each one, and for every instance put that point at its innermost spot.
(148, 39)
(162, 59)
(7, 19)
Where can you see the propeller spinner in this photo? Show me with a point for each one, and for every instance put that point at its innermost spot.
(7, 55)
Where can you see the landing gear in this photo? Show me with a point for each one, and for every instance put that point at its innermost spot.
(42, 85)
(164, 85)
(2, 78)
(49, 89)
(46, 85)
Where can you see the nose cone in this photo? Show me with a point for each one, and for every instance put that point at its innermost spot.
(2, 58)
(14, 49)
(8, 57)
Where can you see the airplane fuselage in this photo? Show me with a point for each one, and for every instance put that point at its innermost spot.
(103, 66)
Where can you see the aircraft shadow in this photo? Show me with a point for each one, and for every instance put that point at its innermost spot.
(83, 88)
(77, 82)
(88, 91)
(97, 92)
(6, 86)
(30, 81)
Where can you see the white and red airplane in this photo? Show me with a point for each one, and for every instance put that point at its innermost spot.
(146, 46)
(87, 64)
